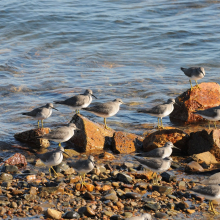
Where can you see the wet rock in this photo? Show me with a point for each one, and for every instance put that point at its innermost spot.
(14, 205)
(133, 195)
(32, 137)
(6, 177)
(108, 213)
(120, 192)
(71, 215)
(86, 210)
(4, 201)
(182, 185)
(116, 217)
(190, 211)
(160, 137)
(193, 167)
(152, 206)
(107, 156)
(33, 190)
(125, 143)
(111, 196)
(215, 137)
(168, 177)
(16, 159)
(207, 96)
(128, 214)
(161, 215)
(29, 197)
(142, 185)
(182, 205)
(10, 169)
(71, 153)
(89, 196)
(91, 136)
(124, 178)
(206, 157)
(54, 214)
(30, 177)
(143, 175)
(163, 189)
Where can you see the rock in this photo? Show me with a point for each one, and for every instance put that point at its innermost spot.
(71, 215)
(116, 217)
(206, 157)
(54, 214)
(182, 185)
(207, 96)
(152, 206)
(32, 137)
(86, 210)
(133, 195)
(168, 177)
(33, 190)
(143, 175)
(31, 177)
(190, 211)
(89, 196)
(16, 159)
(91, 136)
(163, 189)
(126, 143)
(182, 205)
(160, 137)
(215, 137)
(10, 169)
(30, 197)
(193, 167)
(111, 197)
(124, 178)
(71, 152)
(161, 215)
(107, 156)
(6, 177)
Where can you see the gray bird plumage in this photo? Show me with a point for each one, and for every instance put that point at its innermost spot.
(79, 101)
(160, 111)
(194, 73)
(105, 110)
(41, 113)
(212, 180)
(61, 134)
(211, 114)
(160, 152)
(145, 216)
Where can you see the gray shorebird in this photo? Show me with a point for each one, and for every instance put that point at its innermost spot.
(145, 216)
(211, 114)
(79, 101)
(160, 111)
(160, 152)
(82, 167)
(105, 110)
(52, 158)
(210, 192)
(194, 73)
(61, 134)
(157, 165)
(41, 113)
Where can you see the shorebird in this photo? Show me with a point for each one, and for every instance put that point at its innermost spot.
(210, 192)
(194, 73)
(41, 113)
(79, 101)
(211, 114)
(161, 152)
(82, 167)
(157, 165)
(52, 158)
(105, 110)
(160, 111)
(61, 134)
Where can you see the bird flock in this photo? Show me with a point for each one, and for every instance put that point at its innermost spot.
(157, 160)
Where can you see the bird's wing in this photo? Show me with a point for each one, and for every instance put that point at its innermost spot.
(103, 108)
(211, 112)
(58, 133)
(157, 152)
(77, 100)
(211, 190)
(153, 163)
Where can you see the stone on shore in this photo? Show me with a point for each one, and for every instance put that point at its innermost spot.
(32, 137)
(159, 138)
(193, 167)
(16, 159)
(206, 157)
(91, 136)
(126, 143)
(207, 96)
(54, 214)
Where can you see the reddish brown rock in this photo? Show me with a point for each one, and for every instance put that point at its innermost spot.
(160, 137)
(207, 96)
(206, 157)
(126, 143)
(143, 175)
(16, 159)
(107, 156)
(32, 137)
(91, 136)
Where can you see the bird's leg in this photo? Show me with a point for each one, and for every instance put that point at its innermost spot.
(38, 124)
(106, 127)
(197, 85)
(161, 123)
(191, 84)
(209, 125)
(212, 208)
(215, 124)
(59, 144)
(158, 125)
(78, 112)
(42, 124)
(54, 171)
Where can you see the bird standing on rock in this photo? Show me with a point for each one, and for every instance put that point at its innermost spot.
(105, 110)
(194, 73)
(79, 101)
(160, 111)
(41, 113)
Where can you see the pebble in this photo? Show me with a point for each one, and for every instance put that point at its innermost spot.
(54, 214)
(6, 177)
(133, 195)
(163, 189)
(71, 215)
(124, 178)
(161, 215)
(111, 197)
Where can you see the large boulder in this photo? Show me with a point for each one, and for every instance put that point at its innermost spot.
(91, 136)
(207, 96)
(32, 137)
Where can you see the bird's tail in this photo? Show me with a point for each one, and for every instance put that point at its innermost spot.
(183, 69)
(58, 102)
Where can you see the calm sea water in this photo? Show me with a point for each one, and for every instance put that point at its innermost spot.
(133, 50)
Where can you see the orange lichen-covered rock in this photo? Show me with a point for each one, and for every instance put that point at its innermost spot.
(16, 159)
(158, 138)
(32, 137)
(207, 96)
(143, 175)
(91, 136)
(126, 143)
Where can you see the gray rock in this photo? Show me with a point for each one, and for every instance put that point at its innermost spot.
(113, 197)
(124, 178)
(133, 195)
(163, 189)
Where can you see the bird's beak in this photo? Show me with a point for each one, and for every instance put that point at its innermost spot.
(55, 109)
(66, 153)
(176, 104)
(94, 96)
(176, 147)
